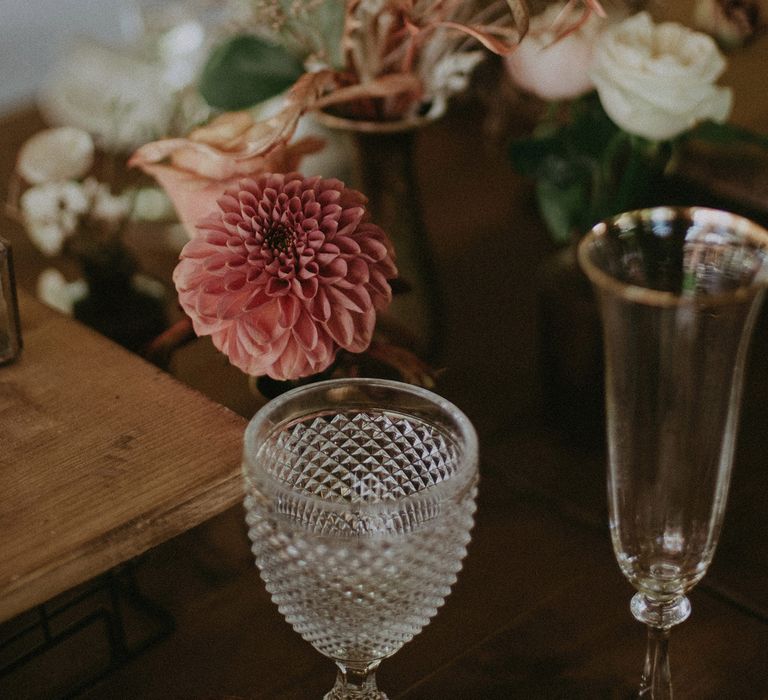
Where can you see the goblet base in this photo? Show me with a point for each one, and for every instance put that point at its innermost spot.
(658, 614)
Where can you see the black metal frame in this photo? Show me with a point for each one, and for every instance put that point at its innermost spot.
(122, 588)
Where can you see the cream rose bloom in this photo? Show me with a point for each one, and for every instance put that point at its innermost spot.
(552, 68)
(657, 80)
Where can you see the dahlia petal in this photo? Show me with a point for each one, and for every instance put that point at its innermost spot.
(291, 363)
(363, 332)
(278, 286)
(247, 199)
(309, 270)
(256, 337)
(329, 227)
(231, 304)
(357, 271)
(378, 284)
(294, 205)
(329, 196)
(347, 245)
(229, 203)
(199, 248)
(308, 288)
(349, 220)
(355, 299)
(290, 308)
(335, 269)
(315, 239)
(376, 250)
(305, 331)
(340, 326)
(320, 308)
(234, 280)
(265, 317)
(327, 254)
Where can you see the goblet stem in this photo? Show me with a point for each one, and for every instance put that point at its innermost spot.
(356, 683)
(656, 683)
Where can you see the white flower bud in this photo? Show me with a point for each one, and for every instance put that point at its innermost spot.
(54, 155)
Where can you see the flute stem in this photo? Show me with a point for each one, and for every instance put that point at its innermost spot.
(656, 683)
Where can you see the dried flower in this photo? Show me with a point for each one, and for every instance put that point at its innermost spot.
(730, 22)
(195, 171)
(288, 272)
(55, 155)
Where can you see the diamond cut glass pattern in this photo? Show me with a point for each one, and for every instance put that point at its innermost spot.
(359, 519)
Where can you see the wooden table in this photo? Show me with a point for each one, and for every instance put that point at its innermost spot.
(102, 456)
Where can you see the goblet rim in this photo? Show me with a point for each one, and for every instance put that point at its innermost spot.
(453, 488)
(741, 225)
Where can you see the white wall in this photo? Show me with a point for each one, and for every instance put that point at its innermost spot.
(33, 32)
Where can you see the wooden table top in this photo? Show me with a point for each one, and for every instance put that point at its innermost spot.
(102, 457)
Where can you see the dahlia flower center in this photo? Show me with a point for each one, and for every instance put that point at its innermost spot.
(280, 238)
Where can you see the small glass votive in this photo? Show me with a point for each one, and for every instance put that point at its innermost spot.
(10, 325)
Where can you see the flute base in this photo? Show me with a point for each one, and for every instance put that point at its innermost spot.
(660, 614)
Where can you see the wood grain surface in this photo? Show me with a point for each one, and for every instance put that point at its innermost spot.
(102, 456)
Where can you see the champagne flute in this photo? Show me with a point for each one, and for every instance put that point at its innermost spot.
(679, 290)
(360, 497)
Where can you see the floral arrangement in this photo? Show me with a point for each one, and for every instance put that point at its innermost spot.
(286, 273)
(633, 92)
(373, 60)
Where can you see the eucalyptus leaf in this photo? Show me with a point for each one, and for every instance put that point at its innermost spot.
(246, 70)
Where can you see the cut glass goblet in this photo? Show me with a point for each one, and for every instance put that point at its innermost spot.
(360, 497)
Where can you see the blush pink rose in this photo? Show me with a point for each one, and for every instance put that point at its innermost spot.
(551, 65)
(288, 272)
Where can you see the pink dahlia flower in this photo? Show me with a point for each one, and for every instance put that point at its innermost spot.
(287, 273)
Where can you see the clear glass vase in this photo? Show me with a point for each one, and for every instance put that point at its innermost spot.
(679, 290)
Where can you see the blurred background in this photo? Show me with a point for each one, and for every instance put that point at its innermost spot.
(35, 34)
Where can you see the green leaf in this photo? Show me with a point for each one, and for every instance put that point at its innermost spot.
(561, 207)
(246, 70)
(528, 155)
(727, 134)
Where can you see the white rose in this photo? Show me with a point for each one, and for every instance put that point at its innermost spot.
(112, 94)
(657, 80)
